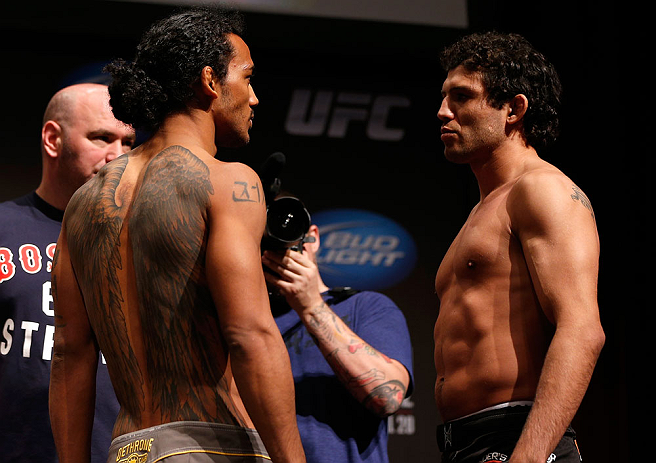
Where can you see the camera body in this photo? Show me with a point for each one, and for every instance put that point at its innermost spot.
(288, 222)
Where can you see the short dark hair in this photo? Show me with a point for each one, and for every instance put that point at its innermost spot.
(509, 65)
(168, 61)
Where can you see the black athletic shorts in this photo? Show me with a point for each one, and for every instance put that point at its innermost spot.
(491, 436)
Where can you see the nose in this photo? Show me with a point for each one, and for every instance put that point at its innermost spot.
(252, 99)
(444, 113)
(115, 149)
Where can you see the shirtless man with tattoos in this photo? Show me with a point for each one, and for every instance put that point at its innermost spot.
(351, 357)
(518, 331)
(158, 265)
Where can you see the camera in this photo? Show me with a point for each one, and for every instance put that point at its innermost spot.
(288, 221)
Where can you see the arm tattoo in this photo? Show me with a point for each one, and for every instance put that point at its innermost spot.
(386, 398)
(324, 324)
(353, 348)
(578, 195)
(346, 377)
(242, 191)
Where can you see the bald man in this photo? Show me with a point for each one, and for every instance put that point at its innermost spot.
(79, 135)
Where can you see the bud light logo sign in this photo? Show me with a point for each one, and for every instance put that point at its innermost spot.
(362, 249)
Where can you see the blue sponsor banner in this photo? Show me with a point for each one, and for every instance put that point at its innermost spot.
(363, 249)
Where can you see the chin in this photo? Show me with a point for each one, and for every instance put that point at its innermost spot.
(236, 142)
(456, 156)
(452, 156)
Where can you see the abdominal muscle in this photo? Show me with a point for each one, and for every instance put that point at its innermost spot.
(487, 350)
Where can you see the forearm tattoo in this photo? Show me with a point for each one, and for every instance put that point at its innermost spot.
(387, 394)
(386, 398)
(324, 325)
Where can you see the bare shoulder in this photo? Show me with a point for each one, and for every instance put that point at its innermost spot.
(96, 196)
(238, 198)
(244, 184)
(237, 184)
(547, 194)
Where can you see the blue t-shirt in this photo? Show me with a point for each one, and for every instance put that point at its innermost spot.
(333, 425)
(29, 228)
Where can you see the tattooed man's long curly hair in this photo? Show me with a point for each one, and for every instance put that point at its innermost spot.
(168, 62)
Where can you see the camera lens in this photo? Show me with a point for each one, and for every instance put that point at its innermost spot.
(287, 220)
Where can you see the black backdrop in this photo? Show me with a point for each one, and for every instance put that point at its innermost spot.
(603, 148)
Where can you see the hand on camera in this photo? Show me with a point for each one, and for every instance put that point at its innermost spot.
(297, 278)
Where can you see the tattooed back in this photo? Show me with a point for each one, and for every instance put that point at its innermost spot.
(138, 241)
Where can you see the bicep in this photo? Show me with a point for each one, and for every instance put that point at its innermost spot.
(561, 248)
(234, 266)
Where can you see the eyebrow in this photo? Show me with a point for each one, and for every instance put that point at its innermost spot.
(460, 88)
(100, 132)
(109, 133)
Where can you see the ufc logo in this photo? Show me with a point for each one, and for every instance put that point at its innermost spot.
(331, 113)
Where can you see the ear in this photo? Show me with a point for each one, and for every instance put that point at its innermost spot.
(312, 247)
(517, 108)
(51, 138)
(209, 83)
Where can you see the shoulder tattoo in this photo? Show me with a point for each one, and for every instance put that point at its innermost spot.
(578, 195)
(246, 192)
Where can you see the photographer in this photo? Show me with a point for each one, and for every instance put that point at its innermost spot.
(350, 351)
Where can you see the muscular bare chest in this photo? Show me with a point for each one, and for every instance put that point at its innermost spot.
(482, 250)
